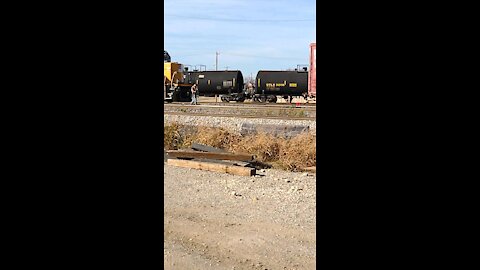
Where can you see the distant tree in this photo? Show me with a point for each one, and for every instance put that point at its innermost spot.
(249, 79)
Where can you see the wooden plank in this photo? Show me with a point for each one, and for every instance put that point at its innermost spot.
(209, 155)
(183, 150)
(237, 163)
(206, 148)
(225, 162)
(311, 169)
(214, 167)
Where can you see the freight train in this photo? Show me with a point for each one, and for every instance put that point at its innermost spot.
(230, 86)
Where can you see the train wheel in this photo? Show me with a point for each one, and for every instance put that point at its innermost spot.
(224, 99)
(272, 99)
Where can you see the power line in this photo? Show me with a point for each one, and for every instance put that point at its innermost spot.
(197, 54)
(239, 55)
(237, 20)
(260, 56)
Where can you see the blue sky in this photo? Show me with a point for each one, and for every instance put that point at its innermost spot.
(250, 35)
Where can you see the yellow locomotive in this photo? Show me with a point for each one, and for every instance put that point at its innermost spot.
(176, 86)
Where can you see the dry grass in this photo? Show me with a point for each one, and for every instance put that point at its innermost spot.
(292, 154)
(176, 137)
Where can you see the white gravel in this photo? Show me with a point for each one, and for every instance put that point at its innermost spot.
(234, 124)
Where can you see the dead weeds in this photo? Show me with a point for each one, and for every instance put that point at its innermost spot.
(292, 154)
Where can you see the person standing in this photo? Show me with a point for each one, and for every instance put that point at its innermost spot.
(194, 94)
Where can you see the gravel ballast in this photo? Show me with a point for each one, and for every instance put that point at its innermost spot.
(239, 111)
(234, 124)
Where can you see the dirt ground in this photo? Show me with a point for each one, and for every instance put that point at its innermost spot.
(220, 221)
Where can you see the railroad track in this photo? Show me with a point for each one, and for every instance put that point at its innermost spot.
(283, 117)
(245, 105)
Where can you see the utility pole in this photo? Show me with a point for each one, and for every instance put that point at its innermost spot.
(216, 60)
